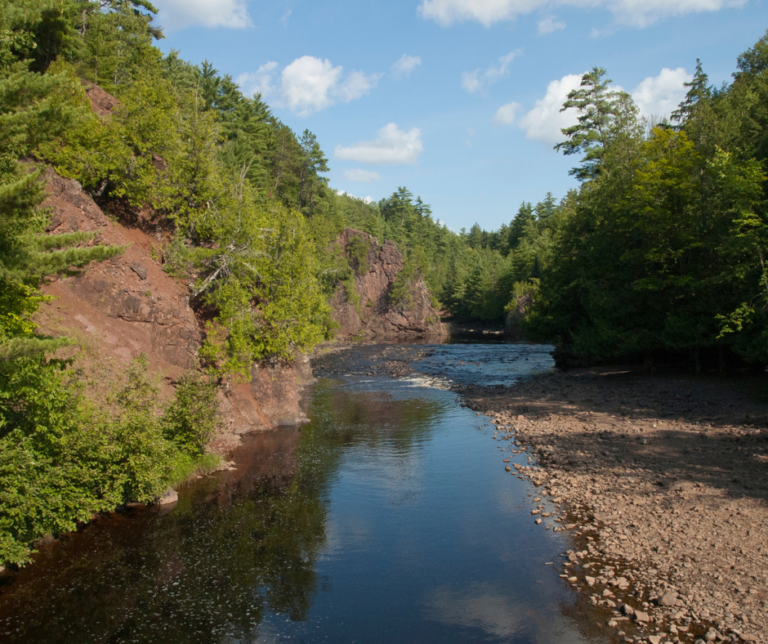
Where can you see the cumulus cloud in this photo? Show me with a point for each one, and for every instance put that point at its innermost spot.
(393, 146)
(473, 81)
(660, 95)
(308, 84)
(549, 25)
(405, 65)
(178, 14)
(505, 115)
(638, 13)
(545, 120)
(656, 96)
(361, 176)
(258, 82)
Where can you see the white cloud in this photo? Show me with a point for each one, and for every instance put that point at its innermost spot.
(638, 13)
(258, 82)
(393, 146)
(356, 85)
(179, 14)
(505, 115)
(545, 120)
(307, 85)
(405, 65)
(660, 95)
(286, 17)
(473, 81)
(361, 176)
(549, 25)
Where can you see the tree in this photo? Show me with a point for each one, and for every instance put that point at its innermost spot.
(699, 93)
(599, 109)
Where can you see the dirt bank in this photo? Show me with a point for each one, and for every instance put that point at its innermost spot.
(664, 483)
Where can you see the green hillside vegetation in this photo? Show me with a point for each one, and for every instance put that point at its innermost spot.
(660, 248)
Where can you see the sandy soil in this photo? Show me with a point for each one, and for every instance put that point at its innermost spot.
(663, 481)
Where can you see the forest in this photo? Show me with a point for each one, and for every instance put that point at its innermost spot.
(659, 249)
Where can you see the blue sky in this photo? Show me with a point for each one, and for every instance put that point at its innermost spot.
(456, 99)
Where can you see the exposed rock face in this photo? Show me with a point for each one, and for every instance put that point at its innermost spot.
(102, 103)
(128, 305)
(273, 397)
(375, 315)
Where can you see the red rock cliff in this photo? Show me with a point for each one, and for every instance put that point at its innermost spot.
(375, 315)
(128, 305)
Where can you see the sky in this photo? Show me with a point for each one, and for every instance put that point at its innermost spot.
(457, 100)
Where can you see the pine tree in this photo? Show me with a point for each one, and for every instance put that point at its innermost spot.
(699, 92)
(519, 224)
(598, 107)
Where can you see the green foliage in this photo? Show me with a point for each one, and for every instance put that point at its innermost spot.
(401, 293)
(63, 459)
(193, 417)
(663, 248)
(357, 249)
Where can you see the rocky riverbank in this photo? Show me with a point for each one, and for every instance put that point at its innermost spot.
(664, 483)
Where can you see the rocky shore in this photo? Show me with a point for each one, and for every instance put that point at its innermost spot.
(663, 482)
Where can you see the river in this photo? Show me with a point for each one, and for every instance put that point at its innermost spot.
(389, 518)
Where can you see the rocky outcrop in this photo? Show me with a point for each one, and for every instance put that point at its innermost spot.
(375, 274)
(128, 305)
(102, 103)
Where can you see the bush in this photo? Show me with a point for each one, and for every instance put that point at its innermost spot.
(193, 417)
(62, 460)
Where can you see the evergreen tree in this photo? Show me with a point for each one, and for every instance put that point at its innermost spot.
(598, 108)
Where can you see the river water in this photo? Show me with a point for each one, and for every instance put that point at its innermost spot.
(389, 518)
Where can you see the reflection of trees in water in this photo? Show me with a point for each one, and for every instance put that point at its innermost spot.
(236, 546)
(346, 418)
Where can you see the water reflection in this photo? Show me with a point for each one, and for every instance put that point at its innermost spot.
(387, 518)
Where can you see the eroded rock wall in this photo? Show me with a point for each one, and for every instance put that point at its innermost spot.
(374, 314)
(128, 305)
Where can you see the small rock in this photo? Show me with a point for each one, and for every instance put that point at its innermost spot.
(538, 522)
(507, 469)
(590, 581)
(140, 270)
(628, 610)
(534, 512)
(667, 599)
(642, 617)
(171, 497)
(654, 639)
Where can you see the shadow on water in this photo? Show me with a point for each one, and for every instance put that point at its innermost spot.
(387, 518)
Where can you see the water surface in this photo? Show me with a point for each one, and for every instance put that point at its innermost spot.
(389, 518)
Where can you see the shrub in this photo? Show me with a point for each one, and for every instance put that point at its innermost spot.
(193, 417)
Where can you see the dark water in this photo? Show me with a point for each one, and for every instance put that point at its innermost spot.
(389, 518)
